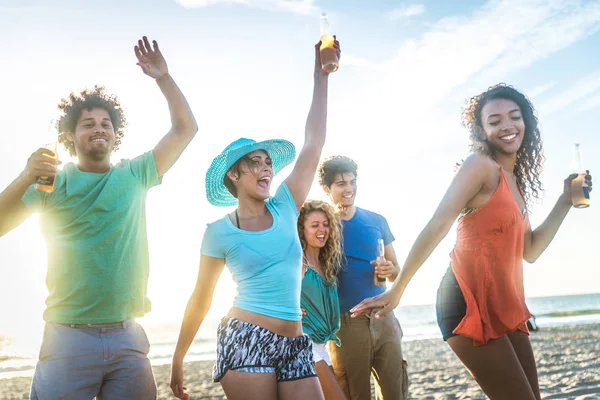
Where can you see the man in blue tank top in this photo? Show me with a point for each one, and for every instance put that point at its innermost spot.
(369, 344)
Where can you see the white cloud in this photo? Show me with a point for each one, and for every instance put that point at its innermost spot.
(481, 49)
(417, 94)
(295, 6)
(406, 12)
(351, 60)
(584, 91)
(591, 103)
(540, 89)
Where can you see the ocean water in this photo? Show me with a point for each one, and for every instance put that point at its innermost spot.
(418, 322)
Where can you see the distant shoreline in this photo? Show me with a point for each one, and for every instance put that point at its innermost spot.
(418, 323)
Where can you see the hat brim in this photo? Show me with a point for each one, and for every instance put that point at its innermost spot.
(282, 153)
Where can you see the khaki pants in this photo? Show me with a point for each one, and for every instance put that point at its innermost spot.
(370, 346)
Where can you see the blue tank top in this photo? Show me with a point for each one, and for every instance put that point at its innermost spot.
(265, 265)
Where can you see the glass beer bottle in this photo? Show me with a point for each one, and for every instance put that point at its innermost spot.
(46, 183)
(580, 192)
(329, 58)
(380, 258)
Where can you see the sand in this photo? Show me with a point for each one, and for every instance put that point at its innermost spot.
(568, 360)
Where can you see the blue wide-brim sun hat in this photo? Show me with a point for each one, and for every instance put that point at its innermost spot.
(282, 153)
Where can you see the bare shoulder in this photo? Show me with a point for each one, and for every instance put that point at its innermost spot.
(477, 168)
(479, 162)
(482, 168)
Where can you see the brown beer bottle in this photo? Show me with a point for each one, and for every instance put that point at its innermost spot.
(329, 58)
(46, 183)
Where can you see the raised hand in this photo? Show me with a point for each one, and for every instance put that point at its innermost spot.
(568, 185)
(318, 67)
(150, 59)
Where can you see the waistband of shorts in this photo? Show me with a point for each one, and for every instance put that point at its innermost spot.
(225, 320)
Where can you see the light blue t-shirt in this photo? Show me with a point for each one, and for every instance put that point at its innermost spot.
(356, 278)
(266, 265)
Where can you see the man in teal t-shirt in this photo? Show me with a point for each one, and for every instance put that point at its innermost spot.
(94, 223)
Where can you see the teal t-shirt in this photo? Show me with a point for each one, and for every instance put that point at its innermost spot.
(266, 265)
(95, 231)
(320, 300)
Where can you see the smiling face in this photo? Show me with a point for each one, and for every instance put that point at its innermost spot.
(343, 190)
(254, 177)
(503, 125)
(316, 229)
(94, 135)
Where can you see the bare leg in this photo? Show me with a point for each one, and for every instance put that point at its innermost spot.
(300, 389)
(495, 366)
(249, 386)
(329, 384)
(522, 346)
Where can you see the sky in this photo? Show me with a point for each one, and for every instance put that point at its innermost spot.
(246, 68)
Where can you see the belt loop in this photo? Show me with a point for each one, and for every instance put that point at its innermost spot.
(346, 318)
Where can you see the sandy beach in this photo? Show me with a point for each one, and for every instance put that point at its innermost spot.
(567, 359)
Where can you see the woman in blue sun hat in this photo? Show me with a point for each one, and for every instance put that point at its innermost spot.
(262, 352)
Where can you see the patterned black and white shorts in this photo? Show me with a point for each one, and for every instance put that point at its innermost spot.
(245, 347)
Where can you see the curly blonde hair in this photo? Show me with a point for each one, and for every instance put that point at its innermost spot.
(330, 256)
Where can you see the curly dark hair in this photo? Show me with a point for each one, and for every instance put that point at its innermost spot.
(530, 157)
(334, 166)
(330, 256)
(87, 99)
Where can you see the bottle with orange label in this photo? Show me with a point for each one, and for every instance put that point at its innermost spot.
(46, 183)
(329, 57)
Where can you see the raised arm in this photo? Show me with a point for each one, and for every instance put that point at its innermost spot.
(197, 307)
(535, 242)
(183, 124)
(12, 210)
(301, 178)
(466, 184)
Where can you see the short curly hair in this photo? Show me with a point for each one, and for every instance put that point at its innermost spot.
(530, 156)
(72, 107)
(334, 166)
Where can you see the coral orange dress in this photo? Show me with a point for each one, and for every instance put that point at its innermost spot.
(487, 261)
